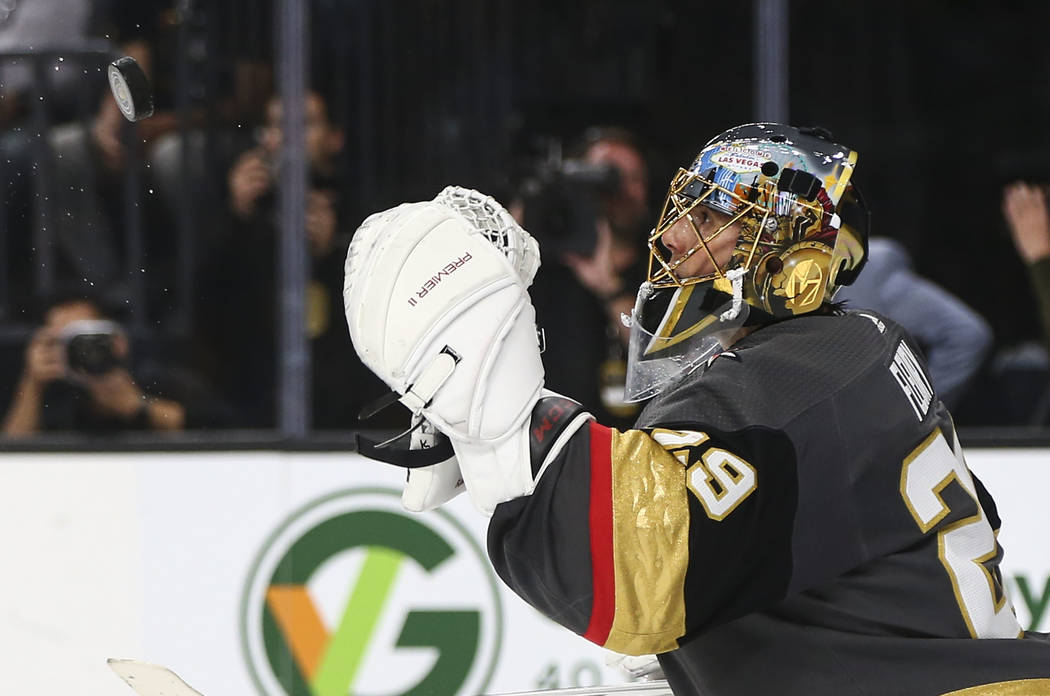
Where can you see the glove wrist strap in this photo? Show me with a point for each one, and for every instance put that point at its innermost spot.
(418, 395)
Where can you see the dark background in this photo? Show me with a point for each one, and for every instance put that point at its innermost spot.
(946, 102)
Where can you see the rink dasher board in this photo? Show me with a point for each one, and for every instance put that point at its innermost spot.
(657, 687)
(166, 576)
(156, 680)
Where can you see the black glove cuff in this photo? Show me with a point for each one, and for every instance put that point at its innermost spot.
(550, 416)
(406, 458)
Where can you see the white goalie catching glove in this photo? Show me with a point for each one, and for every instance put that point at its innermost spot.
(437, 305)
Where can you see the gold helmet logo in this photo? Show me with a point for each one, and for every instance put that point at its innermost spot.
(803, 287)
(803, 278)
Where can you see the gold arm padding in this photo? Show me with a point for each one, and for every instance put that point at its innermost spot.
(650, 545)
(1022, 687)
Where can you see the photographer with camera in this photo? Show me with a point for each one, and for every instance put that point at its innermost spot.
(589, 214)
(79, 376)
(240, 292)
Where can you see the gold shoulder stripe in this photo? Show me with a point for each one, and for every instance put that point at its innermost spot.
(1022, 687)
(650, 545)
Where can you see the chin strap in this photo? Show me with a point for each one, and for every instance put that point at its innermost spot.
(736, 277)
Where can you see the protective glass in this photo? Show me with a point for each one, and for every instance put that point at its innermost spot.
(673, 331)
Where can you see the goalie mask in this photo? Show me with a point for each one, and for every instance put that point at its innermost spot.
(765, 224)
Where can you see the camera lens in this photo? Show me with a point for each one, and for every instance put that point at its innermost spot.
(91, 354)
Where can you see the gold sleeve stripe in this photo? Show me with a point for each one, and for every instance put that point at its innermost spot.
(650, 535)
(1022, 687)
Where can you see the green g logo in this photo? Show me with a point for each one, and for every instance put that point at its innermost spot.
(352, 595)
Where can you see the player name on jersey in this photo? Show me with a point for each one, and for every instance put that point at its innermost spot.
(913, 382)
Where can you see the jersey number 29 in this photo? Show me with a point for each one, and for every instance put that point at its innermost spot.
(720, 479)
(964, 545)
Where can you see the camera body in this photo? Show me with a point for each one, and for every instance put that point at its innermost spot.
(90, 346)
(562, 202)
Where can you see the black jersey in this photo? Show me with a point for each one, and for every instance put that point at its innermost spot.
(796, 517)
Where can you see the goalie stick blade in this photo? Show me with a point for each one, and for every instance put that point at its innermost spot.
(151, 680)
(657, 687)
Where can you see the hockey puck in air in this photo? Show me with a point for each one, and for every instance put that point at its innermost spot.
(130, 88)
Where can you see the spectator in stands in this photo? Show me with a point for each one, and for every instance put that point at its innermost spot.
(956, 339)
(227, 82)
(89, 205)
(47, 86)
(1025, 210)
(47, 24)
(579, 294)
(239, 292)
(80, 374)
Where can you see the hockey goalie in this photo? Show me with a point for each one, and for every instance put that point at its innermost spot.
(792, 512)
